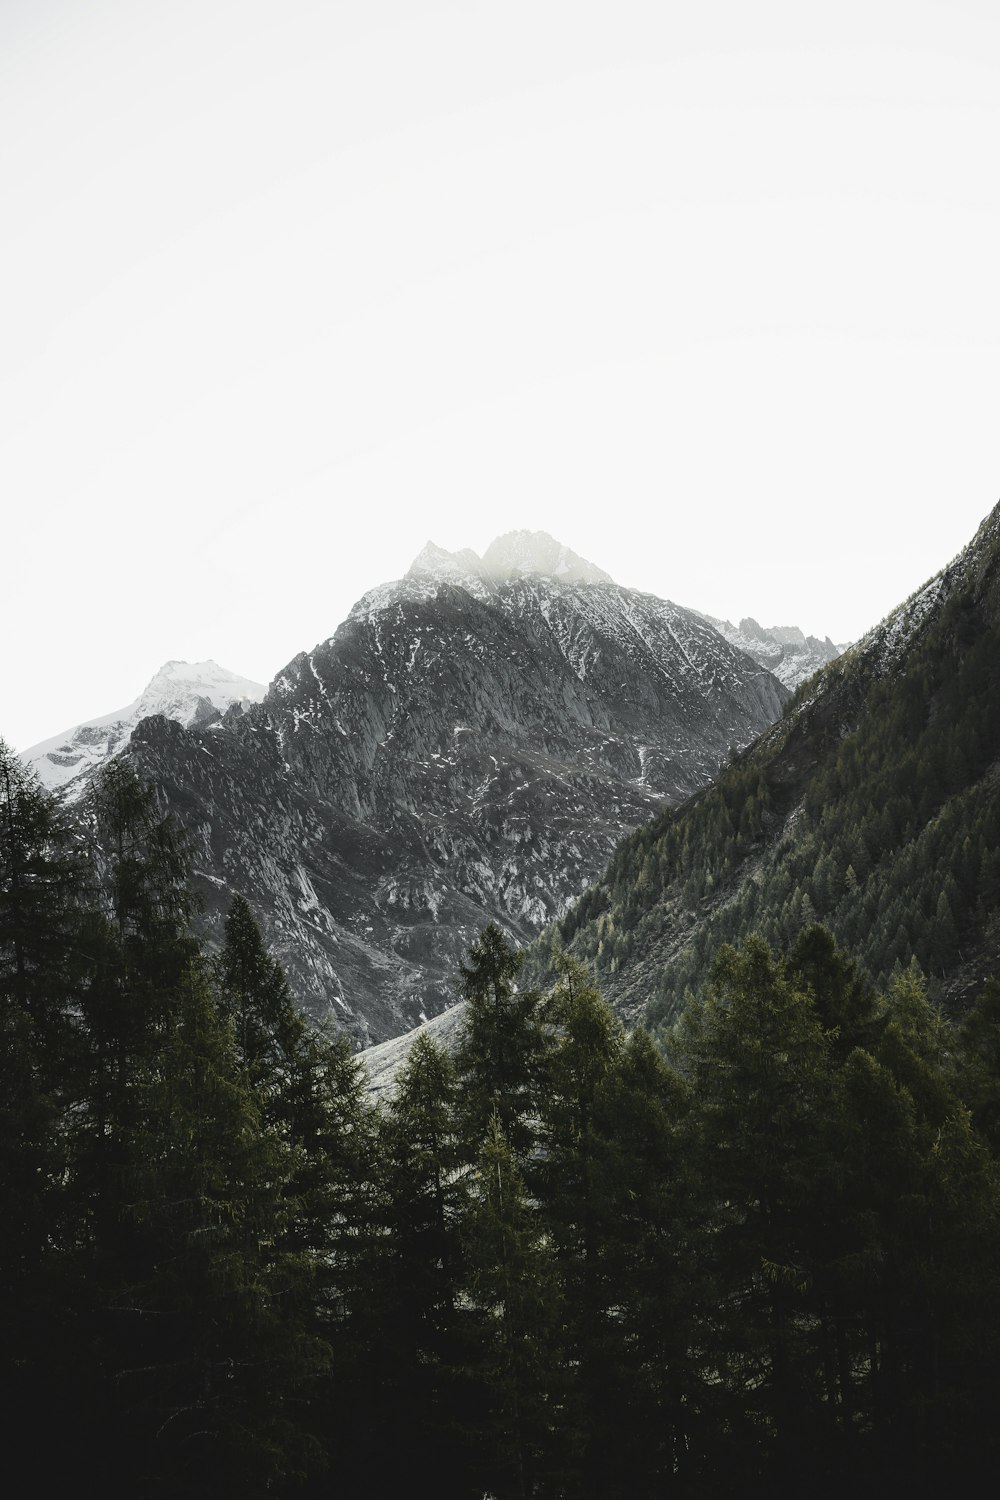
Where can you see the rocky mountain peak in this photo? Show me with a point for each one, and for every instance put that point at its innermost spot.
(516, 554)
(784, 650)
(535, 553)
(189, 693)
(468, 746)
(178, 685)
(449, 567)
(790, 636)
(751, 628)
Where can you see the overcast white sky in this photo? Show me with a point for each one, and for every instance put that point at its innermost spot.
(709, 291)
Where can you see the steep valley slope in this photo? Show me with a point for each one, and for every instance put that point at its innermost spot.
(872, 805)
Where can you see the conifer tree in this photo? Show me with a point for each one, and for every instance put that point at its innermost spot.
(256, 995)
(41, 973)
(980, 1073)
(499, 1060)
(578, 1200)
(140, 949)
(429, 1393)
(512, 1285)
(646, 1428)
(41, 879)
(212, 1344)
(309, 1090)
(610, 1189)
(756, 1057)
(843, 996)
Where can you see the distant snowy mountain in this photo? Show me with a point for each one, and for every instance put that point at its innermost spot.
(470, 745)
(783, 649)
(191, 693)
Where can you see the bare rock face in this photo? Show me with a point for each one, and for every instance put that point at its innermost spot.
(785, 650)
(470, 745)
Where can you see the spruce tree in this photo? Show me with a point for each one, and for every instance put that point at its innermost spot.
(211, 1343)
(578, 1201)
(41, 887)
(499, 1059)
(429, 1396)
(757, 1060)
(309, 1089)
(140, 948)
(645, 1429)
(980, 1069)
(41, 975)
(256, 995)
(513, 1288)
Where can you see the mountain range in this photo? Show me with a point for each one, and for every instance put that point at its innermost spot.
(783, 649)
(471, 744)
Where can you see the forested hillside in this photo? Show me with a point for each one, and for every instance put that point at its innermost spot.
(874, 805)
(556, 1264)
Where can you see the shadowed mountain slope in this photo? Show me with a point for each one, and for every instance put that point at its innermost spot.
(873, 805)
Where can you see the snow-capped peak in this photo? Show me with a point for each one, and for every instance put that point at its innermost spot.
(176, 688)
(188, 692)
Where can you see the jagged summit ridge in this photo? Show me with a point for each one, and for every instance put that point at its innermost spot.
(784, 650)
(516, 554)
(437, 562)
(536, 557)
(191, 693)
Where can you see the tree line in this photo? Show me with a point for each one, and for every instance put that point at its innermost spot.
(561, 1261)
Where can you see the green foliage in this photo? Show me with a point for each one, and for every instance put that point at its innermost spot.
(159, 1281)
(208, 1300)
(980, 1062)
(872, 808)
(513, 1288)
(556, 1263)
(852, 1210)
(498, 1061)
(41, 976)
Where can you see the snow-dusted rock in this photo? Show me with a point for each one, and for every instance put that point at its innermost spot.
(191, 693)
(469, 746)
(784, 650)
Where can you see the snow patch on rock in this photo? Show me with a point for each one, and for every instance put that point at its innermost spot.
(191, 693)
(784, 650)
